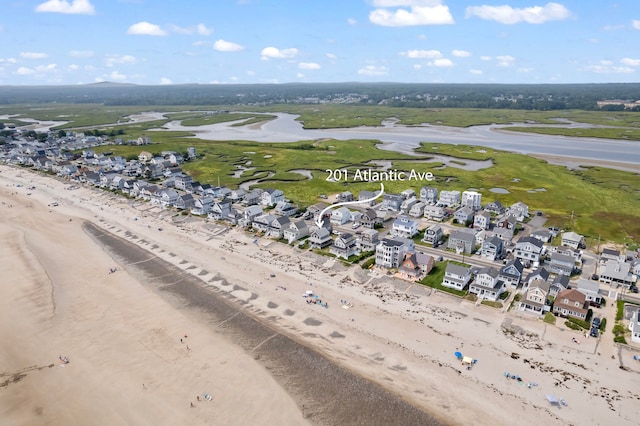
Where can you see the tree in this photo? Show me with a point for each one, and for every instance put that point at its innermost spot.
(62, 133)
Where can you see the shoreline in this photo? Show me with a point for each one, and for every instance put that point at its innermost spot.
(399, 335)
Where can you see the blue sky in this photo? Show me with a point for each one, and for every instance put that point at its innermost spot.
(281, 41)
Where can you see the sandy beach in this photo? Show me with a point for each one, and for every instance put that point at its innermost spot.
(121, 330)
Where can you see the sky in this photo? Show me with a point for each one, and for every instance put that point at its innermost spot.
(57, 42)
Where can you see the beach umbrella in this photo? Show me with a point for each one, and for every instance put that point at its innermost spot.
(458, 355)
(552, 399)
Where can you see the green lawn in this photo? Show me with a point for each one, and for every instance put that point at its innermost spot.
(434, 279)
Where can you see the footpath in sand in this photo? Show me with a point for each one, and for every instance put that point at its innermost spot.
(399, 335)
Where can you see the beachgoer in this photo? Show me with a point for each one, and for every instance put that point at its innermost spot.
(192, 405)
(180, 340)
(198, 397)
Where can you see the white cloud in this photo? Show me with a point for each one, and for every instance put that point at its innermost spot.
(485, 58)
(165, 80)
(441, 63)
(351, 21)
(76, 7)
(24, 71)
(420, 54)
(332, 56)
(505, 60)
(46, 68)
(227, 46)
(111, 60)
(475, 72)
(509, 15)
(81, 53)
(300, 75)
(525, 70)
(419, 13)
(606, 67)
(308, 66)
(631, 62)
(635, 24)
(274, 52)
(373, 70)
(33, 55)
(460, 53)
(73, 67)
(200, 29)
(115, 75)
(613, 27)
(146, 28)
(203, 30)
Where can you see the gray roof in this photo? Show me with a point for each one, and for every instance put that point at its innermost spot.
(452, 268)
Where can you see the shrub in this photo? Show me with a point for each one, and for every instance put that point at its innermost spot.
(580, 323)
(620, 310)
(549, 318)
(505, 295)
(367, 264)
(619, 329)
(492, 304)
(620, 339)
(572, 326)
(603, 325)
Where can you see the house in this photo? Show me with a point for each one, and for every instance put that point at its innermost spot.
(449, 198)
(495, 207)
(487, 284)
(252, 198)
(285, 208)
(270, 197)
(506, 235)
(416, 265)
(456, 276)
(482, 220)
(315, 210)
(167, 197)
(433, 234)
(511, 273)
(344, 245)
(202, 206)
(433, 212)
(344, 196)
(569, 251)
(472, 199)
(573, 240)
(560, 282)
(428, 194)
(340, 216)
(463, 215)
(392, 202)
(561, 264)
(182, 181)
(462, 242)
(591, 290)
(404, 227)
(417, 210)
(491, 248)
(534, 300)
(542, 234)
(519, 210)
(250, 214)
(408, 193)
(370, 219)
(390, 252)
(610, 254)
(185, 202)
(407, 204)
(529, 251)
(571, 303)
(508, 222)
(237, 195)
(320, 238)
(144, 156)
(617, 273)
(368, 240)
(221, 210)
(634, 325)
(365, 197)
(278, 226)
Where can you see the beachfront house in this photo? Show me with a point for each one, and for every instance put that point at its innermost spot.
(571, 303)
(461, 241)
(511, 273)
(416, 265)
(390, 252)
(617, 273)
(344, 246)
(456, 276)
(296, 230)
(202, 206)
(252, 198)
(634, 324)
(404, 227)
(491, 248)
(428, 194)
(278, 226)
(222, 210)
(185, 202)
(320, 238)
(433, 234)
(368, 240)
(487, 284)
(534, 300)
(249, 214)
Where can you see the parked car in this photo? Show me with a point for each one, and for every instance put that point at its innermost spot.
(594, 332)
(596, 322)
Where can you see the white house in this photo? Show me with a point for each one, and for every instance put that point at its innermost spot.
(340, 216)
(449, 198)
(572, 239)
(456, 276)
(270, 197)
(472, 199)
(390, 252)
(344, 245)
(487, 284)
(634, 325)
(295, 231)
(404, 227)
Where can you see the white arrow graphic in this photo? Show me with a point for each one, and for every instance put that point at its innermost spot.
(344, 203)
